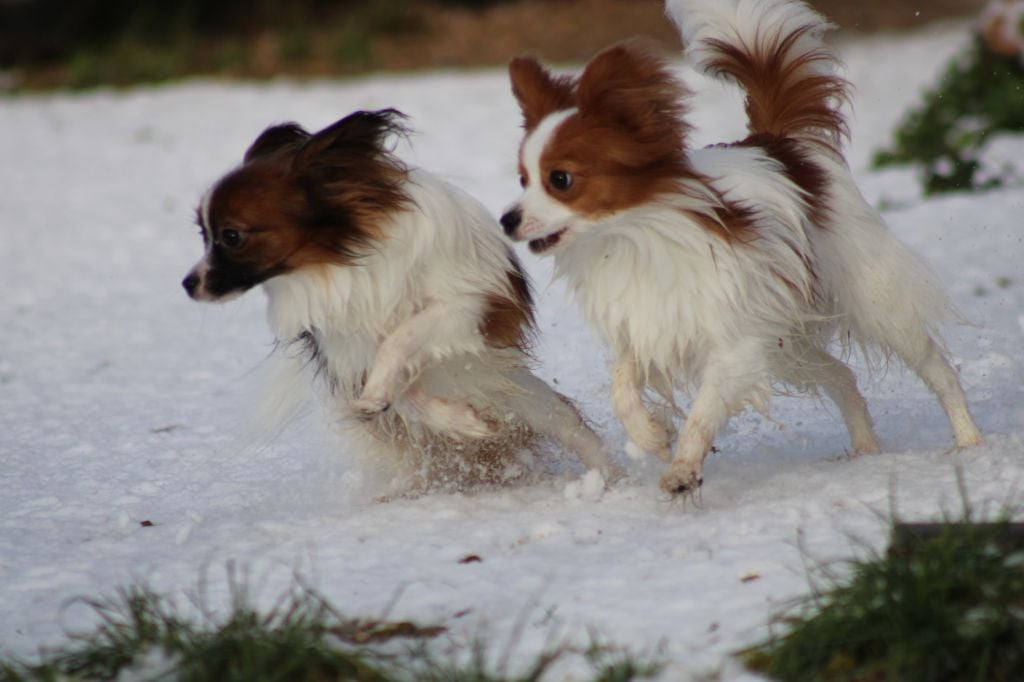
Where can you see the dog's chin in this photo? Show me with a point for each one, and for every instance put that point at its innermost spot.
(204, 296)
(548, 243)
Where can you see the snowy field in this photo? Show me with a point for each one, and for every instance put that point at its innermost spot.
(123, 402)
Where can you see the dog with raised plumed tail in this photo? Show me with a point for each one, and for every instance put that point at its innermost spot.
(731, 268)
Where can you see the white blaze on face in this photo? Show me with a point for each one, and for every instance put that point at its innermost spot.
(543, 215)
(201, 268)
(204, 216)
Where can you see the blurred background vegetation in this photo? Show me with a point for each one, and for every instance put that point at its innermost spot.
(87, 43)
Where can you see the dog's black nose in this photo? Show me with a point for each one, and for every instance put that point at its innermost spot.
(190, 283)
(510, 221)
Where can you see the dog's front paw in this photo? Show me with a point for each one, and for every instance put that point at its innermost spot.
(681, 481)
(368, 408)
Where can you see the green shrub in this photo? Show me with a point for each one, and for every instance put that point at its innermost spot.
(980, 94)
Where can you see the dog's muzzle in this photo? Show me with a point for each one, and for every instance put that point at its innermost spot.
(191, 283)
(511, 220)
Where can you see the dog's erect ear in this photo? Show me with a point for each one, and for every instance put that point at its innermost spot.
(361, 135)
(351, 175)
(276, 138)
(538, 92)
(634, 87)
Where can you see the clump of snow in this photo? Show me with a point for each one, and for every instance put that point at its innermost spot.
(634, 451)
(123, 405)
(589, 487)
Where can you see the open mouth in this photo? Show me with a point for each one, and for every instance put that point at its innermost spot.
(546, 243)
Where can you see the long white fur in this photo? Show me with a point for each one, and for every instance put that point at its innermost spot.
(673, 273)
(400, 331)
(746, 22)
(677, 303)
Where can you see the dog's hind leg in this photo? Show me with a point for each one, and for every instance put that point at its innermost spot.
(812, 366)
(936, 372)
(552, 415)
(456, 419)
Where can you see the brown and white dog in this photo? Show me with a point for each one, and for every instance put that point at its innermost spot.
(732, 268)
(399, 288)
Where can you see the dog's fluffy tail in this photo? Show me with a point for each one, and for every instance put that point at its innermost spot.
(773, 49)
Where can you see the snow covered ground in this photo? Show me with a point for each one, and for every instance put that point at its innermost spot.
(122, 401)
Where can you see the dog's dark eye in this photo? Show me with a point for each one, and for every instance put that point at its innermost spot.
(560, 180)
(522, 181)
(231, 238)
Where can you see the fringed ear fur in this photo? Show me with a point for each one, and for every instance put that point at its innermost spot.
(276, 138)
(359, 135)
(349, 172)
(636, 89)
(538, 92)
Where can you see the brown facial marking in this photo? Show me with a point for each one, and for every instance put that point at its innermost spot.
(626, 143)
(257, 201)
(299, 200)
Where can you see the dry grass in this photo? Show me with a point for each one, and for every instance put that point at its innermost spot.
(141, 635)
(573, 30)
(401, 35)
